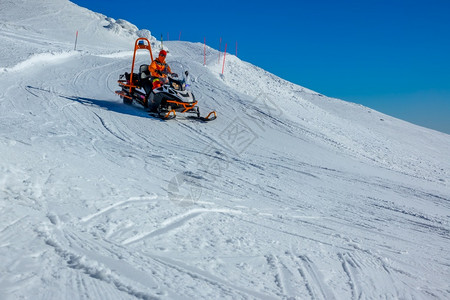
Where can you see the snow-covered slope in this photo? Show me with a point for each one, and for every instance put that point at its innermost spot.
(32, 27)
(289, 194)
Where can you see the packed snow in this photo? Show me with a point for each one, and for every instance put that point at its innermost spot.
(288, 194)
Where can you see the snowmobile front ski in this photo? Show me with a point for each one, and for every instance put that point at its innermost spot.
(210, 117)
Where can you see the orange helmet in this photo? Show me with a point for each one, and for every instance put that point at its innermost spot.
(163, 53)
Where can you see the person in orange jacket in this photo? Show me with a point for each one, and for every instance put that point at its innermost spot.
(159, 70)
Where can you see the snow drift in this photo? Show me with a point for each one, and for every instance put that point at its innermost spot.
(288, 194)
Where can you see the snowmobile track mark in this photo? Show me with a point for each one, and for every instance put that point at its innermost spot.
(286, 278)
(89, 263)
(169, 226)
(315, 281)
(272, 261)
(109, 208)
(204, 276)
(347, 266)
(173, 224)
(108, 129)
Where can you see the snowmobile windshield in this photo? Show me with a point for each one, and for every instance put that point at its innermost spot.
(180, 80)
(178, 84)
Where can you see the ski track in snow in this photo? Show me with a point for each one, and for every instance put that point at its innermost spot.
(174, 223)
(287, 195)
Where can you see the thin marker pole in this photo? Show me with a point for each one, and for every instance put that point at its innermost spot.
(204, 53)
(224, 55)
(76, 39)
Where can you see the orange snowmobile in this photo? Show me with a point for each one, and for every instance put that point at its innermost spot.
(164, 101)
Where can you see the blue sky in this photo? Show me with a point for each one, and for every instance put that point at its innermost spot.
(392, 56)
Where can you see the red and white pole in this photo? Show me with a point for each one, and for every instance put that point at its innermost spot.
(224, 55)
(76, 39)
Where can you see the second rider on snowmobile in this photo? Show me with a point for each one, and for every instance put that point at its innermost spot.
(159, 70)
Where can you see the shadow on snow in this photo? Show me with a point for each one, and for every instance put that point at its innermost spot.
(111, 105)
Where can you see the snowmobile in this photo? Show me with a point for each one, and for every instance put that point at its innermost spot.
(163, 102)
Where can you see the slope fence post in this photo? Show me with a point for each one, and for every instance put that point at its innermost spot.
(204, 52)
(76, 39)
(224, 55)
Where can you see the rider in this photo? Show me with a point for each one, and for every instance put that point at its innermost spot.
(159, 70)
